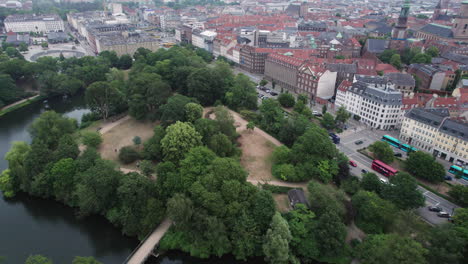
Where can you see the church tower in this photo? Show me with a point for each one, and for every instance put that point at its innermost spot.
(440, 10)
(460, 25)
(399, 33)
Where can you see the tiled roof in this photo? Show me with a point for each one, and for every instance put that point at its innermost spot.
(377, 45)
(402, 79)
(438, 30)
(287, 59)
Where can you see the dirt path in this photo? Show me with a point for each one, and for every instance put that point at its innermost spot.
(108, 126)
(19, 102)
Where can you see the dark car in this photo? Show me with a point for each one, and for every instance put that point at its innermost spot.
(434, 209)
(398, 155)
(448, 178)
(364, 171)
(359, 142)
(443, 214)
(273, 93)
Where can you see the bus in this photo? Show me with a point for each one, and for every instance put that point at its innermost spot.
(392, 141)
(455, 170)
(397, 144)
(407, 148)
(383, 168)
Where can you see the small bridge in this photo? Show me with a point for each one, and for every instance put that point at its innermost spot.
(146, 247)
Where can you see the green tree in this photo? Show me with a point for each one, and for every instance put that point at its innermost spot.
(302, 226)
(374, 215)
(174, 109)
(67, 148)
(325, 198)
(49, 127)
(125, 62)
(16, 158)
(193, 112)
(6, 184)
(242, 95)
(180, 210)
(206, 85)
(328, 122)
(342, 115)
(395, 61)
(402, 191)
(387, 55)
(136, 140)
(371, 182)
(38, 259)
(433, 51)
(276, 245)
(226, 122)
(263, 82)
(207, 128)
(286, 100)
(63, 178)
(324, 109)
(389, 249)
(147, 93)
(179, 139)
(421, 58)
(460, 194)
(446, 244)
(330, 234)
(250, 126)
(152, 148)
(147, 167)
(424, 165)
(382, 151)
(23, 47)
(271, 116)
(102, 98)
(128, 155)
(97, 188)
(91, 139)
(221, 145)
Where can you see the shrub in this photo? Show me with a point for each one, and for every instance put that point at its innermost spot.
(276, 189)
(351, 185)
(285, 172)
(91, 139)
(147, 167)
(249, 115)
(137, 140)
(128, 155)
(286, 100)
(460, 194)
(281, 155)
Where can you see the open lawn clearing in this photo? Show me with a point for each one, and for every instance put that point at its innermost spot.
(121, 133)
(282, 203)
(256, 147)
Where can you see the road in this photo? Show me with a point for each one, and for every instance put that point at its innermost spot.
(358, 131)
(349, 148)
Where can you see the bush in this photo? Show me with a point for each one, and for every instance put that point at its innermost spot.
(91, 139)
(147, 167)
(286, 100)
(281, 155)
(285, 172)
(249, 115)
(128, 155)
(276, 189)
(460, 194)
(351, 185)
(137, 140)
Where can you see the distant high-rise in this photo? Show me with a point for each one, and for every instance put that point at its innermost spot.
(399, 32)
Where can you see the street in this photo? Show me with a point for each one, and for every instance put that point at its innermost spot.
(357, 131)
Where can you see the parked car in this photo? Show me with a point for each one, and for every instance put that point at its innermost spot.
(383, 180)
(398, 155)
(364, 171)
(265, 97)
(316, 113)
(352, 163)
(443, 214)
(260, 95)
(359, 142)
(267, 90)
(434, 209)
(273, 93)
(448, 178)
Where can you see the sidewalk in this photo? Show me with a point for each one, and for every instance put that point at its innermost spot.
(19, 102)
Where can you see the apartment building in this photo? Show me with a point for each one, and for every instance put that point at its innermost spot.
(404, 82)
(125, 42)
(316, 82)
(283, 70)
(33, 23)
(433, 131)
(374, 99)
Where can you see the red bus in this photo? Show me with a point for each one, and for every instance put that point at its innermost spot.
(383, 168)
